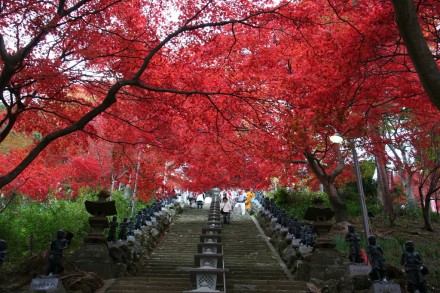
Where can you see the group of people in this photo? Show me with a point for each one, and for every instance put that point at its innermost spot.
(231, 199)
(235, 199)
(196, 199)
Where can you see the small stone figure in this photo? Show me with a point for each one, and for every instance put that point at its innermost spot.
(353, 239)
(57, 248)
(377, 260)
(307, 236)
(112, 230)
(138, 223)
(414, 268)
(123, 229)
(130, 227)
(147, 215)
(282, 218)
(144, 216)
(3, 250)
(294, 226)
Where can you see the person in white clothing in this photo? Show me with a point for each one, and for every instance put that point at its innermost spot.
(200, 200)
(226, 208)
(192, 199)
(240, 202)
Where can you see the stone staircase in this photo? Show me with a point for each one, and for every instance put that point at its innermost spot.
(252, 265)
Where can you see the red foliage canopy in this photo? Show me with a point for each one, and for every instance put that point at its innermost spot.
(197, 95)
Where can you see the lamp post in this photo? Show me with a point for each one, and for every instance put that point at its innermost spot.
(133, 198)
(337, 138)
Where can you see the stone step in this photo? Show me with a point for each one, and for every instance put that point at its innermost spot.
(239, 285)
(144, 279)
(161, 288)
(164, 274)
(161, 284)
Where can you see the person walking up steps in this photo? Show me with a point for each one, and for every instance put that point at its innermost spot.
(241, 199)
(200, 200)
(192, 200)
(225, 208)
(250, 195)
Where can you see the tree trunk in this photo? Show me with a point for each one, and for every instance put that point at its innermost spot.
(436, 205)
(406, 176)
(404, 172)
(327, 181)
(339, 207)
(426, 209)
(112, 184)
(418, 50)
(384, 191)
(406, 180)
(425, 202)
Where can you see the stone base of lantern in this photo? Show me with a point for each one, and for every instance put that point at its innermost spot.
(94, 257)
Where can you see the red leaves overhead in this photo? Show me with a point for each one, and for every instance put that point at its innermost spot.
(233, 91)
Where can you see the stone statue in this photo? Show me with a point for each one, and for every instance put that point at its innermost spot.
(123, 229)
(57, 247)
(414, 268)
(3, 250)
(138, 223)
(282, 218)
(307, 236)
(130, 227)
(377, 260)
(112, 230)
(146, 216)
(353, 239)
(294, 226)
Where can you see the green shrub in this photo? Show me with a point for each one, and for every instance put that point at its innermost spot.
(281, 196)
(410, 211)
(354, 207)
(123, 206)
(341, 245)
(29, 226)
(296, 202)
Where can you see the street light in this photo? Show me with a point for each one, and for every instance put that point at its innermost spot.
(133, 198)
(337, 138)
